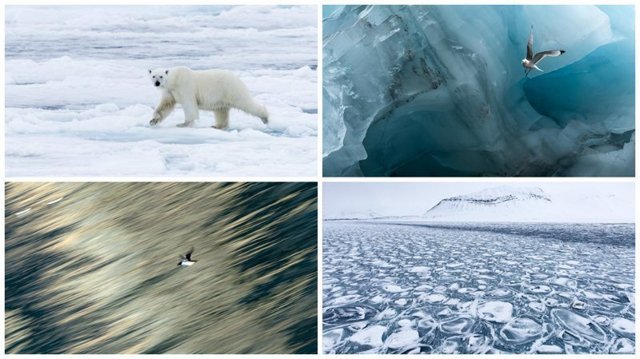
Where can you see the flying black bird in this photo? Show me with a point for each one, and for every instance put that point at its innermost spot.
(186, 260)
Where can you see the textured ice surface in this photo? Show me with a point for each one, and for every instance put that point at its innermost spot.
(78, 100)
(499, 312)
(521, 330)
(369, 336)
(478, 288)
(440, 91)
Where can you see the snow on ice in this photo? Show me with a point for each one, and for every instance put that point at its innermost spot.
(78, 100)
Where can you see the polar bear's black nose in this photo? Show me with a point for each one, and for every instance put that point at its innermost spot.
(157, 83)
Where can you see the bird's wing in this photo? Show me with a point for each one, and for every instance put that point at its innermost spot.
(188, 255)
(530, 45)
(541, 55)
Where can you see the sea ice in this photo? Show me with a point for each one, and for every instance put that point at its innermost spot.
(549, 349)
(433, 298)
(371, 336)
(506, 318)
(624, 327)
(521, 330)
(331, 338)
(402, 338)
(420, 270)
(623, 346)
(457, 325)
(499, 312)
(78, 100)
(579, 325)
(478, 344)
(393, 288)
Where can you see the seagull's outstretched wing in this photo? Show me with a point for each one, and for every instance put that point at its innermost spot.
(188, 255)
(530, 45)
(551, 53)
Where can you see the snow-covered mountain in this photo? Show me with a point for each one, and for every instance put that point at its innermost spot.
(530, 204)
(493, 204)
(363, 214)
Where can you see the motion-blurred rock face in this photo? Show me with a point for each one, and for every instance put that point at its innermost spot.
(91, 268)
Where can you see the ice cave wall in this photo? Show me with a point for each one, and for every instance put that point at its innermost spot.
(440, 91)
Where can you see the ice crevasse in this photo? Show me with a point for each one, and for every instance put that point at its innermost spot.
(440, 91)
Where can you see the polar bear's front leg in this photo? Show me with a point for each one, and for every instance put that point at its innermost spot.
(191, 113)
(167, 103)
(222, 118)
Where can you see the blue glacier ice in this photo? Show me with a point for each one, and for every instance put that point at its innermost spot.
(440, 91)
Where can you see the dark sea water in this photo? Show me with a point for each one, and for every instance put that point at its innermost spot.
(92, 268)
(487, 288)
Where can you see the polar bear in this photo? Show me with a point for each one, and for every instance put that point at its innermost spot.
(211, 90)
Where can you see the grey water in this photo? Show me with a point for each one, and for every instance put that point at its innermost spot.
(478, 288)
(92, 268)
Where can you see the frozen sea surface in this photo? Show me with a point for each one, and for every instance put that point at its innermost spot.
(503, 288)
(78, 100)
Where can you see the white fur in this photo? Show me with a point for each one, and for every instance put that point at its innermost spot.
(209, 90)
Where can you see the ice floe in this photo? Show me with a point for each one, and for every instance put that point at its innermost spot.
(568, 295)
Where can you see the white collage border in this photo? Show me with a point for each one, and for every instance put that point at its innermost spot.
(319, 179)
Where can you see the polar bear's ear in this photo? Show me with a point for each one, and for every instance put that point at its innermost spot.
(149, 72)
(166, 72)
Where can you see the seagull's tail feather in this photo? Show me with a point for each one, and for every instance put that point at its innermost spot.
(537, 68)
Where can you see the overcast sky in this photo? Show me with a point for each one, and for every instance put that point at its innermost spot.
(401, 199)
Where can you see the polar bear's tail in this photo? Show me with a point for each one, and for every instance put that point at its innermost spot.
(256, 109)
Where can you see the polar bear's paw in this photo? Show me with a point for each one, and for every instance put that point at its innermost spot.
(265, 120)
(156, 119)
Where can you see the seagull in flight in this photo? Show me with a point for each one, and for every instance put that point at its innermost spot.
(531, 61)
(186, 260)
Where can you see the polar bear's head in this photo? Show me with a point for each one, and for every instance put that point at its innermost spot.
(159, 77)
